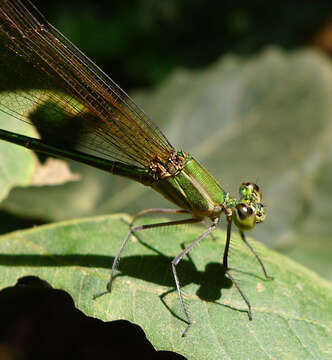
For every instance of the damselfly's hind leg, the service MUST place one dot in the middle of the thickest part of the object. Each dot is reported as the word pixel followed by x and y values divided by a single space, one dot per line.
pixel 159 211
pixel 135 229
pixel 243 237
pixel 175 262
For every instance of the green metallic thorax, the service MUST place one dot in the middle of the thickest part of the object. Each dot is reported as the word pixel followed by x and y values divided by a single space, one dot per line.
pixel 193 189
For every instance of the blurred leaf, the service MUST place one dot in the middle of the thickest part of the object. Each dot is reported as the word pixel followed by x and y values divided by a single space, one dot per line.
pixel 267 120
pixel 53 172
pixel 291 314
pixel 20 167
pixel 17 165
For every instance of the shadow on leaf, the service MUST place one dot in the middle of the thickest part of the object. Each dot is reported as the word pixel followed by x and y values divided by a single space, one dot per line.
pixel 151 268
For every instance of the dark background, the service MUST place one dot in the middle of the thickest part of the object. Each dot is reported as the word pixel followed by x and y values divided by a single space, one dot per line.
pixel 139 42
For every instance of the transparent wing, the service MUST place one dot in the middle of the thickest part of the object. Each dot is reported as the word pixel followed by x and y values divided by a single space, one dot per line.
pixel 54 86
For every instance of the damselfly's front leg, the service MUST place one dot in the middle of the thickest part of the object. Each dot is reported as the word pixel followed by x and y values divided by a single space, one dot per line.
pixel 243 237
pixel 227 270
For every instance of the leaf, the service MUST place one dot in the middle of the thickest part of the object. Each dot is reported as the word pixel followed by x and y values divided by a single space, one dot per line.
pixel 266 119
pixel 53 172
pixel 20 167
pixel 292 315
pixel 16 164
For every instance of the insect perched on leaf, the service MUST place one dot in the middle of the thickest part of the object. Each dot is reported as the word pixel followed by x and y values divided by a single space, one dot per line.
pixel 97 123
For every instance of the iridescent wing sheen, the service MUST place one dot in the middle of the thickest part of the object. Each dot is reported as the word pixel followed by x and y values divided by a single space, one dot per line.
pixel 45 74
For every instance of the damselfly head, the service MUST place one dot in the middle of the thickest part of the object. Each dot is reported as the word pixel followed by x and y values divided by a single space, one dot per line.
pixel 249 210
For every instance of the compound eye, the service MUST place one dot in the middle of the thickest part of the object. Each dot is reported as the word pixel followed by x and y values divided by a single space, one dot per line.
pixel 244 211
pixel 256 187
pixel 244 217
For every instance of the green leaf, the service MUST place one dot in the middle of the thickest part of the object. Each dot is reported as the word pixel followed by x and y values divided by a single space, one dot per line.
pixel 292 314
pixel 266 119
pixel 16 164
